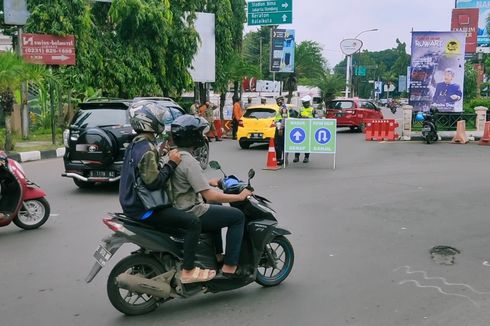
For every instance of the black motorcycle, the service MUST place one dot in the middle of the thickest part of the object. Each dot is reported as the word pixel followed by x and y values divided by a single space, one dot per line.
pixel 150 275
pixel 429 128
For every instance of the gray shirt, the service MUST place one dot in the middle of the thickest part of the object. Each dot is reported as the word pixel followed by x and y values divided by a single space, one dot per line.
pixel 188 181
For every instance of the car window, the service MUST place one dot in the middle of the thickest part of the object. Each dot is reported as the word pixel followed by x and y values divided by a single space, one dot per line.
pixel 341 105
pixel 368 105
pixel 172 113
pixel 260 113
pixel 100 117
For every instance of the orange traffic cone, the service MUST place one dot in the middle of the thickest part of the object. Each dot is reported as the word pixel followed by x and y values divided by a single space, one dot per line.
pixel 460 137
pixel 271 157
pixel 485 140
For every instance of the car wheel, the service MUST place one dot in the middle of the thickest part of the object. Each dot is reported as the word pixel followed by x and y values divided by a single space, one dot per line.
pixel 244 144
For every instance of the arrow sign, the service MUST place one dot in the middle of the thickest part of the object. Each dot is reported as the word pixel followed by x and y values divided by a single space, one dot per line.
pixel 60 57
pixel 297 135
pixel 270 12
pixel 323 136
pixel 285 5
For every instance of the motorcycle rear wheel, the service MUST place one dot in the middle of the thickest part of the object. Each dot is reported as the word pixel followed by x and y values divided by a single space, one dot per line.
pixel 129 303
pixel 276 262
pixel 37 214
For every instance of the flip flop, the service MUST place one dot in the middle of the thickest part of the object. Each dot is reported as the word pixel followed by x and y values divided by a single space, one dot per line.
pixel 196 277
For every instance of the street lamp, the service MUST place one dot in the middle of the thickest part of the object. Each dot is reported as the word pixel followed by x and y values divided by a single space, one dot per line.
pixel 356 47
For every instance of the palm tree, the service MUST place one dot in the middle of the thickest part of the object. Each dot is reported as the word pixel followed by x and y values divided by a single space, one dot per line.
pixel 13 71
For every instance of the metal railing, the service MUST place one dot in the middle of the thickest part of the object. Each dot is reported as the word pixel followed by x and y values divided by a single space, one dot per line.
pixel 448 121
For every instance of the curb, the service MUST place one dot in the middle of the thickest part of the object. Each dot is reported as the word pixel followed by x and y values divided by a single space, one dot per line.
pixel 37 155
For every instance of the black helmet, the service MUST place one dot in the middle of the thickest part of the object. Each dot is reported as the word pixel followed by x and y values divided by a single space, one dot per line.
pixel 188 131
pixel 147 116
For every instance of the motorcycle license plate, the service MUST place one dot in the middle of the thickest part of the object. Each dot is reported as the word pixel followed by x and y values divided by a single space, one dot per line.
pixel 427 128
pixel 102 174
pixel 102 255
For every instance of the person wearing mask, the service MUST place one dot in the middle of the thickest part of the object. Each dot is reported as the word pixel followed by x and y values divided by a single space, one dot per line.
pixel 191 192
pixel 144 160
pixel 306 113
pixel 236 116
pixel 280 120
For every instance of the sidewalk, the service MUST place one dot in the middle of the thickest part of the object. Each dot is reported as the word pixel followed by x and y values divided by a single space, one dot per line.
pixel 23 154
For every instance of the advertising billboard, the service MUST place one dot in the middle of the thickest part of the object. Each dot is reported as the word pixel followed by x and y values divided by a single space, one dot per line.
pixel 204 63
pixel 466 20
pixel 483 7
pixel 282 50
pixel 437 71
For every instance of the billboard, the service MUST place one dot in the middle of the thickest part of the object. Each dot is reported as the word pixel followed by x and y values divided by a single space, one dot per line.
pixel 484 8
pixel 466 20
pixel 437 71
pixel 204 63
pixel 282 50
pixel 15 12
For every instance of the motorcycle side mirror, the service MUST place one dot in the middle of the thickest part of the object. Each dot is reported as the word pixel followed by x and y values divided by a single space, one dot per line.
pixel 215 165
pixel 251 174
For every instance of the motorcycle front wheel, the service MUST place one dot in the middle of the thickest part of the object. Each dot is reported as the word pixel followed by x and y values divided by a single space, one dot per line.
pixel 35 214
pixel 127 302
pixel 276 262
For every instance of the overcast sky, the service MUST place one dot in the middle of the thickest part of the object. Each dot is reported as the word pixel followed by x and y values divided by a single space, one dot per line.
pixel 329 21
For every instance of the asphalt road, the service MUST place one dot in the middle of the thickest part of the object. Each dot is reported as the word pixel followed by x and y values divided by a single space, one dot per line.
pixel 361 233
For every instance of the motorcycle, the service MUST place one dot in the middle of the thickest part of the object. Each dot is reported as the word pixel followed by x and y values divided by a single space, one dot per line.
pixel 429 128
pixel 150 275
pixel 392 105
pixel 21 201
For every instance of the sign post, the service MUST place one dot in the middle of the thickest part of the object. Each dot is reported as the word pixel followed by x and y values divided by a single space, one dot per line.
pixel 271 12
pixel 48 49
pixel 316 136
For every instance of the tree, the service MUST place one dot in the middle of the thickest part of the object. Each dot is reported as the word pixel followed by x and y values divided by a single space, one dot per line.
pixel 13 71
pixel 310 64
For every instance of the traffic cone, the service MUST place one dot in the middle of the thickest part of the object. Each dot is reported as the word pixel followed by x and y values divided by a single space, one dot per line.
pixel 271 157
pixel 485 140
pixel 460 137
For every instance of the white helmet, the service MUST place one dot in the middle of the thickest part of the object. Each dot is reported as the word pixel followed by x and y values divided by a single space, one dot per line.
pixel 306 98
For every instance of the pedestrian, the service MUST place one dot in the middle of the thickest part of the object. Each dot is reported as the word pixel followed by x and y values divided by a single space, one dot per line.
pixel 206 111
pixel 248 104
pixel 194 109
pixel 236 116
pixel 280 120
pixel 144 162
pixel 306 113
pixel 217 124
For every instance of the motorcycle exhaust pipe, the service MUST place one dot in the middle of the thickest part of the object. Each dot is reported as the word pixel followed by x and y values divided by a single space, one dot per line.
pixel 156 287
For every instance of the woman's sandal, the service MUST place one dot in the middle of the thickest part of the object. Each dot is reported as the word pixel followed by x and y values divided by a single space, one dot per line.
pixel 199 275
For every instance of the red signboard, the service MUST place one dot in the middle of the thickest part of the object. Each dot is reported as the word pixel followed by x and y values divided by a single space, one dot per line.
pixel 466 20
pixel 48 49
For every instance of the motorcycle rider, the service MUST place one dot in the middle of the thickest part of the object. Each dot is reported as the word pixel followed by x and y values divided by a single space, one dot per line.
pixel 189 189
pixel 306 113
pixel 146 118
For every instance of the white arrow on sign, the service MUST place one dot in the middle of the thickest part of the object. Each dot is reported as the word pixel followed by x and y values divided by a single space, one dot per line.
pixel 284 18
pixel 60 57
pixel 323 136
pixel 298 135
pixel 285 5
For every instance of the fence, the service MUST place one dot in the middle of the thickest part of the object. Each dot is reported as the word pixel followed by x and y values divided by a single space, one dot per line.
pixel 448 121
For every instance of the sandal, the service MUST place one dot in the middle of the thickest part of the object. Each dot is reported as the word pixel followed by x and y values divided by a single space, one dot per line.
pixel 199 275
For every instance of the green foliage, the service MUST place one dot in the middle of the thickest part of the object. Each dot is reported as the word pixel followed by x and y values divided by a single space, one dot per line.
pixel 470 105
pixel 470 82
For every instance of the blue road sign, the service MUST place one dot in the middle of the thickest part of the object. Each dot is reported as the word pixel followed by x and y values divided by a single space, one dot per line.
pixel 323 136
pixel 297 135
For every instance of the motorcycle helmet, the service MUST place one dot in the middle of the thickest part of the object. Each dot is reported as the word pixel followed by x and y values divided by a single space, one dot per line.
pixel 188 131
pixel 420 116
pixel 147 116
pixel 306 100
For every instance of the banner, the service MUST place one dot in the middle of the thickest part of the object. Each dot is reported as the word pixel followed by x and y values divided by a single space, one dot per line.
pixel 282 50
pixel 437 71
pixel 484 8
pixel 466 20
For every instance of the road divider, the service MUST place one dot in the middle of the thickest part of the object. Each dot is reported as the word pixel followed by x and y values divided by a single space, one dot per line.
pixel 379 130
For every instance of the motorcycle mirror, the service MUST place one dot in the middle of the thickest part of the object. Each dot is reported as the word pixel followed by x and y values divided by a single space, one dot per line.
pixel 251 174
pixel 215 165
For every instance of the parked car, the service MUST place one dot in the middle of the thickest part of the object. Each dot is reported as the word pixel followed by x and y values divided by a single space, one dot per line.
pixel 97 138
pixel 257 125
pixel 351 112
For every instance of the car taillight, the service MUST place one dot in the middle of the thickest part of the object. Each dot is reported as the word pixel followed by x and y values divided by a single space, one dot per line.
pixel 350 112
pixel 240 123
pixel 113 225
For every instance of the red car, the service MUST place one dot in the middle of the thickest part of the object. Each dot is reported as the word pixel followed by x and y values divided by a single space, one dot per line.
pixel 351 112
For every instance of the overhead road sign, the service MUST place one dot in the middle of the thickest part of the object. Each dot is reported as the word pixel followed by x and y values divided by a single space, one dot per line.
pixel 275 12
pixel 48 49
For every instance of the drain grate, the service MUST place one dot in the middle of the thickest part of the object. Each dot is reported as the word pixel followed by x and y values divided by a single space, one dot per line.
pixel 444 255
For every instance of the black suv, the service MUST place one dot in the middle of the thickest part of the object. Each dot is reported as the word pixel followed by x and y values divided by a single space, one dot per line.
pixel 98 136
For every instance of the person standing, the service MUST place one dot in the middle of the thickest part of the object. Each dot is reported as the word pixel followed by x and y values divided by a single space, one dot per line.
pixel 236 116
pixel 206 111
pixel 217 124
pixel 280 120
pixel 306 113
pixel 194 109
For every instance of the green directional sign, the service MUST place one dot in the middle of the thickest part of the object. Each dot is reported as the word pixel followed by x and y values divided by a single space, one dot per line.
pixel 311 136
pixel 275 12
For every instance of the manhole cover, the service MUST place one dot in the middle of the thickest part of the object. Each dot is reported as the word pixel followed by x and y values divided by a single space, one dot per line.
pixel 444 255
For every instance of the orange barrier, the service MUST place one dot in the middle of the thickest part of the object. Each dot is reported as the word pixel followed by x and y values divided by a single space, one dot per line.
pixel 381 130
pixel 271 157
pixel 460 137
pixel 485 140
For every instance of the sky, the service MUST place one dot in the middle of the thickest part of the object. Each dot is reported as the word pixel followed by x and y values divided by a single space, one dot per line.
pixel 328 22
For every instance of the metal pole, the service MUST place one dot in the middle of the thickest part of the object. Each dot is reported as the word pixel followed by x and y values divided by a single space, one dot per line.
pixel 260 57
pixel 348 76
pixel 23 93
pixel 51 100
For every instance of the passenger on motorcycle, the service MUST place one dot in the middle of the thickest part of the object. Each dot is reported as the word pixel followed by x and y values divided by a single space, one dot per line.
pixel 189 187
pixel 143 159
